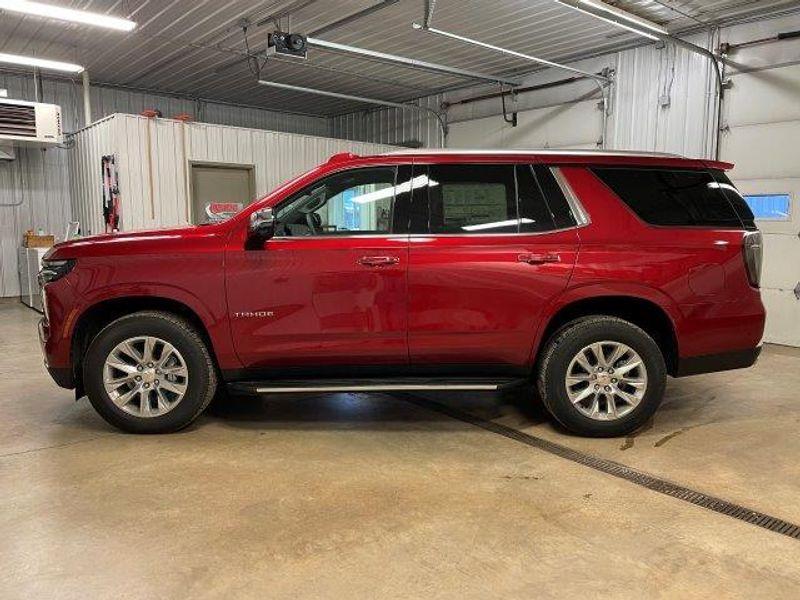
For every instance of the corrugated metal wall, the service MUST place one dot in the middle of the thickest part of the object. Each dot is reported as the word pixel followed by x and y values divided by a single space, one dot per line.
pixel 649 77
pixel 392 125
pixel 153 160
pixel 35 188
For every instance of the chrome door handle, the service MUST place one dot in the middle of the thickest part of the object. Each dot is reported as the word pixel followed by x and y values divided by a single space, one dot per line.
pixel 378 261
pixel 539 259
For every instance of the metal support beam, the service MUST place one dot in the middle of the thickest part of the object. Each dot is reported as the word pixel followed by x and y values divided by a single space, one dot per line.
pixel 306 90
pixel 430 6
pixel 507 52
pixel 37 84
pixel 408 62
pixel 87 100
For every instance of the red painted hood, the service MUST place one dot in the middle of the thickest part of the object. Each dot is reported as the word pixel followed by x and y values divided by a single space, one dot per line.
pixel 154 241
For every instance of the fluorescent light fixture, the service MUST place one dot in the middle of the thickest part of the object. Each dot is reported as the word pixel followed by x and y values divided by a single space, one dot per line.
pixel 50 11
pixel 51 65
pixel 615 16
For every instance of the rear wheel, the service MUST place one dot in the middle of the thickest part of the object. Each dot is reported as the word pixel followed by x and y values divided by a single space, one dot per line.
pixel 602 376
pixel 149 372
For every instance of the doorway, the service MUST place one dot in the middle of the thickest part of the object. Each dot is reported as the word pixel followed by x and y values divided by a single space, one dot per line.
pixel 226 184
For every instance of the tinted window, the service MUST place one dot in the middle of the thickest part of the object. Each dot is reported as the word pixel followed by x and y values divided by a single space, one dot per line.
pixel 472 199
pixel 557 202
pixel 358 202
pixel 534 212
pixel 671 197
pixel 740 205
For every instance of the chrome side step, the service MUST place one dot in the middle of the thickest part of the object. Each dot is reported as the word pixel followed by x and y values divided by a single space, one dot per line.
pixel 372 388
pixel 370 385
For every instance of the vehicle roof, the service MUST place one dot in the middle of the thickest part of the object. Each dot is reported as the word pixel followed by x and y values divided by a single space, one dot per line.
pixel 533 151
pixel 584 157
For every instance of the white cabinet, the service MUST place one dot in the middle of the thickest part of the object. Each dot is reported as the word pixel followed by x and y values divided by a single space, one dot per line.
pixel 30 262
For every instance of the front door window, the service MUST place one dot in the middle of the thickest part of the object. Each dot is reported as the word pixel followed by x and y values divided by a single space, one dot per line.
pixel 358 202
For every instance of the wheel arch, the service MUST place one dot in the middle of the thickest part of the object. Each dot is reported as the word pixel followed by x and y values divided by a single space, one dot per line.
pixel 97 316
pixel 642 312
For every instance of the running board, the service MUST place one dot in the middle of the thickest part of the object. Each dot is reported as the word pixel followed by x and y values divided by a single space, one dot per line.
pixel 275 386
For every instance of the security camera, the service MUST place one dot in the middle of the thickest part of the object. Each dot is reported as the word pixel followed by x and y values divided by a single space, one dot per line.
pixel 287 44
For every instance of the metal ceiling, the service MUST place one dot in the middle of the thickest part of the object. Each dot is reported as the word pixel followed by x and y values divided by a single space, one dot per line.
pixel 194 48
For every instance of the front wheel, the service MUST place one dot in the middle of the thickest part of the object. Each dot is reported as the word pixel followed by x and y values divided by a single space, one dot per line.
pixel 149 372
pixel 602 376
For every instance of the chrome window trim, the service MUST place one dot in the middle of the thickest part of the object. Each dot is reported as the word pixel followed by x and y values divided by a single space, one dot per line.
pixel 385 236
pixel 483 235
pixel 578 211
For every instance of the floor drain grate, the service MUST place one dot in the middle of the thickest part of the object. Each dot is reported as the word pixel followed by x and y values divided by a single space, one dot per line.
pixel 621 471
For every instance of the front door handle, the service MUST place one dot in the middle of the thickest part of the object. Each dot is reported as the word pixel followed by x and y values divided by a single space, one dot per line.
pixel 378 261
pixel 538 259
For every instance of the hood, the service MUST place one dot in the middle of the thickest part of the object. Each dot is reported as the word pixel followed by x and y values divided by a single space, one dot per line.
pixel 153 241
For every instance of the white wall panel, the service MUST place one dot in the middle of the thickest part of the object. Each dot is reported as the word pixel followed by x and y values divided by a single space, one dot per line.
pixel 761 115
pixel 765 151
pixel 155 154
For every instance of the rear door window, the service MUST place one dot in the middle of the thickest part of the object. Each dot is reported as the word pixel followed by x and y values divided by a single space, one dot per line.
pixel 487 199
pixel 476 199
pixel 672 197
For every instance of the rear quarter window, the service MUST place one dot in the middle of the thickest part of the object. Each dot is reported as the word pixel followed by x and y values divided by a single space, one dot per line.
pixel 672 197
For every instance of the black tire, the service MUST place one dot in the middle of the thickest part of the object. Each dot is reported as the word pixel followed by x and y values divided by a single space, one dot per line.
pixel 563 347
pixel 201 384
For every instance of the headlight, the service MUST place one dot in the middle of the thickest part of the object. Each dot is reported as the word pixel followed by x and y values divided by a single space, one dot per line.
pixel 53 270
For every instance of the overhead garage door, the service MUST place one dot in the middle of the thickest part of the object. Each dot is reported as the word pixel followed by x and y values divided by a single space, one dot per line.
pixel 763 115
pixel 577 125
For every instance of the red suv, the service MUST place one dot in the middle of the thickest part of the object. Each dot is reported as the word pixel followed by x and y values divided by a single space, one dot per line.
pixel 594 275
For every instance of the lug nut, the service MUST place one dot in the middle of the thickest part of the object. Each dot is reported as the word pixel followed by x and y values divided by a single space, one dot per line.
pixel 597 387
pixel 613 381
pixel 607 388
pixel 149 365
pixel 139 368
pixel 611 370
pixel 156 382
pixel 146 385
pixel 137 378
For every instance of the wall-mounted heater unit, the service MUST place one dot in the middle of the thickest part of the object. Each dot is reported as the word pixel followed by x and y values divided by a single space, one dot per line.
pixel 24 123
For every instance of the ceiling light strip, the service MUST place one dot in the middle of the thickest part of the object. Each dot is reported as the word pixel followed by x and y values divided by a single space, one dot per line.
pixel 615 18
pixel 29 61
pixel 50 11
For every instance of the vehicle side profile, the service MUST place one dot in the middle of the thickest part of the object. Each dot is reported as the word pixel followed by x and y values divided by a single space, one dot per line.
pixel 592 275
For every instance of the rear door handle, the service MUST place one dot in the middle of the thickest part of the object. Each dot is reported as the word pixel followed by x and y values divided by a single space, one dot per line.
pixel 538 259
pixel 378 261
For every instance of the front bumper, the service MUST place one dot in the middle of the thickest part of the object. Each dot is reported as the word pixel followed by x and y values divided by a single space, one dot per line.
pixel 63 376
pixel 711 363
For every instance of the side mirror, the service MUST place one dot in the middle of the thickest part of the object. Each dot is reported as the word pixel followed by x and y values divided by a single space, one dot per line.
pixel 262 228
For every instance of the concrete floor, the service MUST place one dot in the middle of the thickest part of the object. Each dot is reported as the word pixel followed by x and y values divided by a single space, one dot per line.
pixel 358 496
